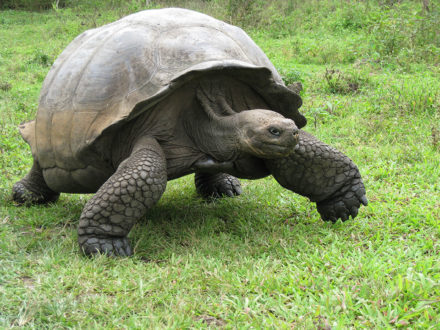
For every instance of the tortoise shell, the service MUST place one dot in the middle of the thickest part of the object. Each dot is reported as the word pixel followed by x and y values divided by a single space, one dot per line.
pixel 113 73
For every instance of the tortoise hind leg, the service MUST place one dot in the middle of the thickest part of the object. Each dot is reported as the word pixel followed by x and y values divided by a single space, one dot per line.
pixel 217 185
pixel 32 189
pixel 109 215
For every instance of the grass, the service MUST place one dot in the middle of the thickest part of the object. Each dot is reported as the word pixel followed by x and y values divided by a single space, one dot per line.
pixel 264 259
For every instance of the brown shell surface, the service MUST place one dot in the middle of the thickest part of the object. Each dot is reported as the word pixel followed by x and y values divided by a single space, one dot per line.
pixel 113 73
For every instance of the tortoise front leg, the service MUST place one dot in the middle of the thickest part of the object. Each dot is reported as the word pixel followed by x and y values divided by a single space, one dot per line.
pixel 323 174
pixel 109 215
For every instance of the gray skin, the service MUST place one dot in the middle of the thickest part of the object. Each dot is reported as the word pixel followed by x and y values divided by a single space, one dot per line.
pixel 206 137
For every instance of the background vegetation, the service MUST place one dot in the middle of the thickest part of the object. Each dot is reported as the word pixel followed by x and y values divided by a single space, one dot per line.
pixel 370 71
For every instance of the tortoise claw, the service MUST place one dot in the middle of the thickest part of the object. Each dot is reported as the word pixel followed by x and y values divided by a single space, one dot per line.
pixel 343 205
pixel 364 200
pixel 109 246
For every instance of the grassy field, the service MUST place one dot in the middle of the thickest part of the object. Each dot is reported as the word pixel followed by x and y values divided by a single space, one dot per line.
pixel 371 76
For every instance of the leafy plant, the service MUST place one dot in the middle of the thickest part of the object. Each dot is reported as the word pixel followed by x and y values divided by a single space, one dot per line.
pixel 322 113
pixel 5 86
pixel 337 82
pixel 291 75
pixel 41 58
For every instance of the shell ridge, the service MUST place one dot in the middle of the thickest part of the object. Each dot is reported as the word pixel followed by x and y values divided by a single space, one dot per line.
pixel 153 74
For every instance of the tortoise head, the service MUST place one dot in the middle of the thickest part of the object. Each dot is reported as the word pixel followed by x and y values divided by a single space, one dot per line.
pixel 266 134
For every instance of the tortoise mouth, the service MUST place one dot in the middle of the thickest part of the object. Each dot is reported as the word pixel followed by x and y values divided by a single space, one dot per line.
pixel 278 150
pixel 270 150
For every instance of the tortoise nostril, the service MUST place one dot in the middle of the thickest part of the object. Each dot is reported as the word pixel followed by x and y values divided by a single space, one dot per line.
pixel 296 135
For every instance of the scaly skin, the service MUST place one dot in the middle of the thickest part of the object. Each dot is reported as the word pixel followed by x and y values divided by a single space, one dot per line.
pixel 217 185
pixel 323 174
pixel 32 189
pixel 110 214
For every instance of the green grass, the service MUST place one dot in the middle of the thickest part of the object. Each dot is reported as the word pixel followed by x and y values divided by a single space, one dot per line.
pixel 264 259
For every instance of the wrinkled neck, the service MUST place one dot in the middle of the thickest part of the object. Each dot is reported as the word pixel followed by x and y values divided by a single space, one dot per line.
pixel 214 136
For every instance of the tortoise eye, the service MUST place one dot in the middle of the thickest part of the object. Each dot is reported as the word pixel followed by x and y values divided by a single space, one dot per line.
pixel 275 131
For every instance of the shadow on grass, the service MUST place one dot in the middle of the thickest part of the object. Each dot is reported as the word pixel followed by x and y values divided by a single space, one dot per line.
pixel 256 223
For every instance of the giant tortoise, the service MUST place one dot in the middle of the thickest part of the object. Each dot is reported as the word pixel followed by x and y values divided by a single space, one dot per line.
pixel 161 94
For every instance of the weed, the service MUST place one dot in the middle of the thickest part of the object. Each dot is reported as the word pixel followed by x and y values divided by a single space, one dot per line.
pixel 408 98
pixel 435 134
pixel 291 75
pixel 322 113
pixel 337 82
pixel 406 36
pixel 5 86
pixel 28 4
pixel 41 58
